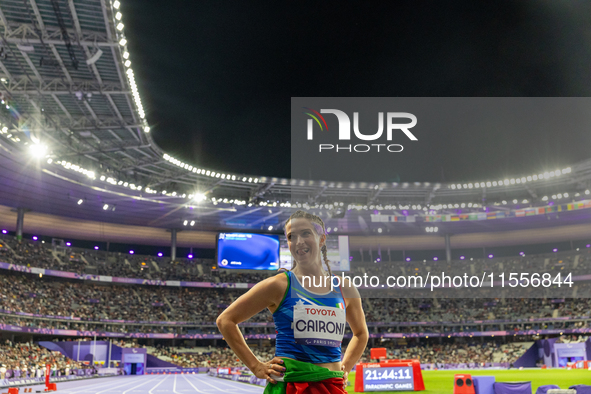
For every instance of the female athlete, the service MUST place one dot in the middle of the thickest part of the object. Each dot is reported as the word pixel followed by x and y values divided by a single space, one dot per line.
pixel 309 318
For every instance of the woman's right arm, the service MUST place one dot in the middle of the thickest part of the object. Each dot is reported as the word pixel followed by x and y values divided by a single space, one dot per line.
pixel 266 294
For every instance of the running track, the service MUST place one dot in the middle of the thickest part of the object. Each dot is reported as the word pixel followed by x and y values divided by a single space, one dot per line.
pixel 154 384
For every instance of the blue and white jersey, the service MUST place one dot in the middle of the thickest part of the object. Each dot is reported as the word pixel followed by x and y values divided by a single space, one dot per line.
pixel 310 326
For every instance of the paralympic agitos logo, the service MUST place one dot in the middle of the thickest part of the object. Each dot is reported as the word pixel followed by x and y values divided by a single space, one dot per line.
pixel 344 134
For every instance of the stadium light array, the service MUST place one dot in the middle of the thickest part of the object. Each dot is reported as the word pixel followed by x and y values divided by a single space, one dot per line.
pixel 431 229
pixel 512 181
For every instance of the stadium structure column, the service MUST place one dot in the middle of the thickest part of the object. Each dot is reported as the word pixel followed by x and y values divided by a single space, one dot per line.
pixel 20 219
pixel 447 248
pixel 173 233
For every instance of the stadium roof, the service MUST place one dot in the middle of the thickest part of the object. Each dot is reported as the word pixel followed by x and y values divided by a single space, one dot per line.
pixel 67 82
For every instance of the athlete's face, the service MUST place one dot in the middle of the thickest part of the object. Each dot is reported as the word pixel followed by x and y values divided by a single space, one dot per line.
pixel 303 240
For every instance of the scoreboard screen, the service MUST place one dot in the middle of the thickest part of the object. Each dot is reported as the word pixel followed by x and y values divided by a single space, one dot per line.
pixel 388 379
pixel 248 251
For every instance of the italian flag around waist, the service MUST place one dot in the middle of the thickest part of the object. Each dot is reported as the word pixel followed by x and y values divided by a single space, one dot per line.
pixel 305 378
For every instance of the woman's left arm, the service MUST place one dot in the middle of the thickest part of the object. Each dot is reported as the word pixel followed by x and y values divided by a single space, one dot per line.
pixel 356 320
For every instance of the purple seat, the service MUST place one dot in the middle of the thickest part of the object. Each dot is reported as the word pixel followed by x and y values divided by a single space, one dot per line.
pixel 581 388
pixel 484 384
pixel 512 388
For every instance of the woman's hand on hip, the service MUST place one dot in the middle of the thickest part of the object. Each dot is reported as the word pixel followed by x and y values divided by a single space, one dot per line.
pixel 265 370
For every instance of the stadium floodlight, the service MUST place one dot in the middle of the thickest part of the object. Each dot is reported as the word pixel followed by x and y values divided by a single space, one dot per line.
pixel 462 257
pixel 80 201
pixel 118 16
pixel 408 259
pixel 192 223
pixel 199 197
pixel 380 230
pixel 122 42
pixel 96 248
pixel 105 207
pixel 190 256
pixel 555 250
pixel 38 150
pixel 4 231
pixel 588 246
pixel 131 252
pixel 490 256
pixel 185 222
pixel 435 258
pixel 120 26
pixel 116 4
pixel 68 244
pixel 270 228
pixel 35 238
pixel 159 254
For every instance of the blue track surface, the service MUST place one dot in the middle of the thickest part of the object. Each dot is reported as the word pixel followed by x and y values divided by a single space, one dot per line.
pixel 154 384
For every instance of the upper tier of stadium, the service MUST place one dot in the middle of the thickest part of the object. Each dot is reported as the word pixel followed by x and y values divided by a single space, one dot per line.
pixel 69 95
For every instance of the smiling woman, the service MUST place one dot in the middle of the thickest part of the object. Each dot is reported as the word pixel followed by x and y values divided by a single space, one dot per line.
pixel 309 320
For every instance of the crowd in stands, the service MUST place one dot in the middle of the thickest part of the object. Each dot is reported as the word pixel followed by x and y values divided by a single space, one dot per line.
pixel 29 360
pixel 99 262
pixel 459 352
pixel 88 301
pixel 91 302
pixel 475 352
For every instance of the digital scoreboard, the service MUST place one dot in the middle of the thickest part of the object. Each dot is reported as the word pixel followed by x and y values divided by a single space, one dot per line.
pixel 388 379
pixel 248 251
pixel 389 375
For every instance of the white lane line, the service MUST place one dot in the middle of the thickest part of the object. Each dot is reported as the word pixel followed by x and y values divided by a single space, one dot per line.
pixel 174 385
pixel 162 381
pixel 234 385
pixel 133 388
pixel 93 386
pixel 185 377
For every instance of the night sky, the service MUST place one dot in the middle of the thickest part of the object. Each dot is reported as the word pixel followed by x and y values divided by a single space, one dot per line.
pixel 216 78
